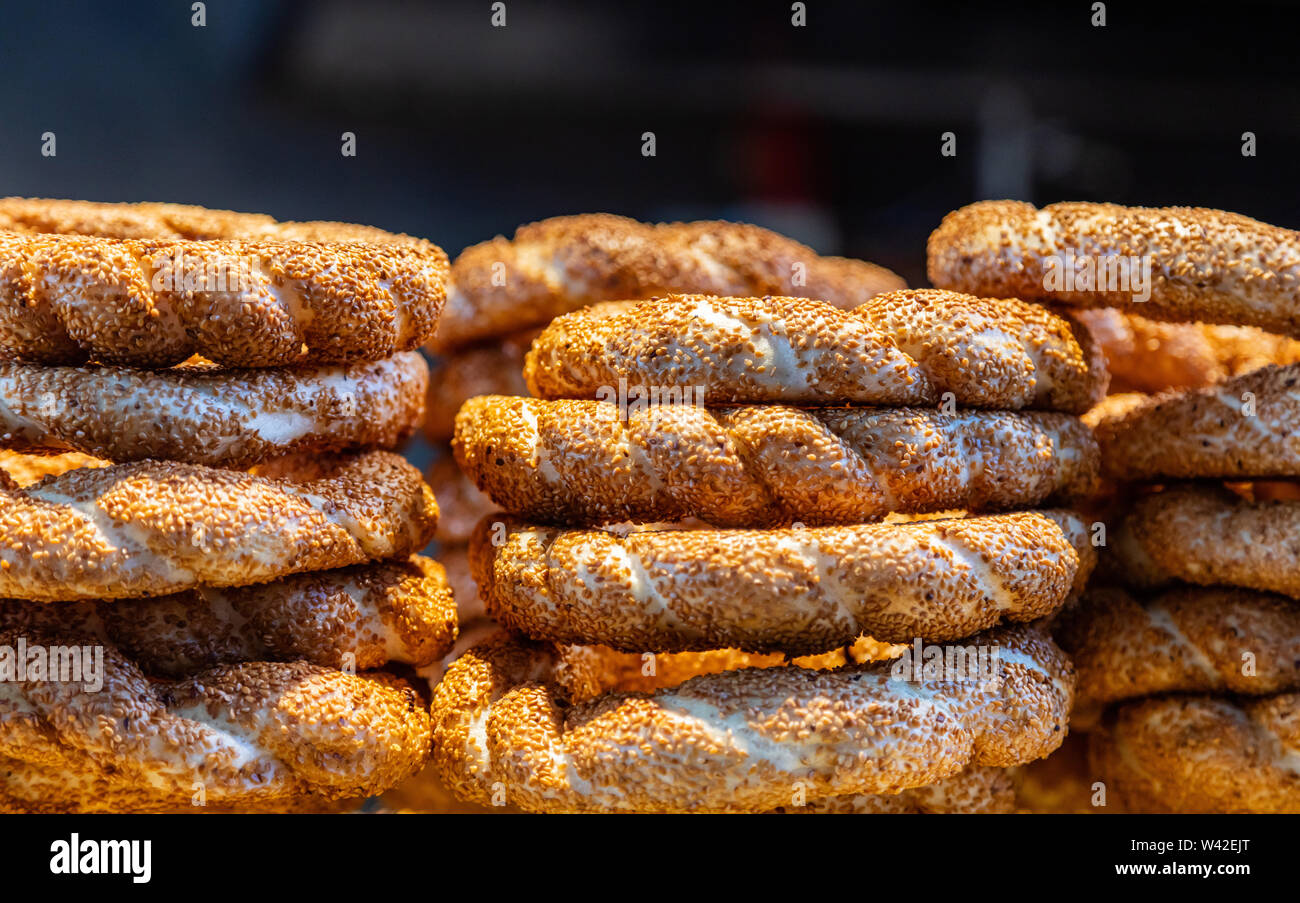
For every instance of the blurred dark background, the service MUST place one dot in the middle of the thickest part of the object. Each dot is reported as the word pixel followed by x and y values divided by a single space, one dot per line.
pixel 830 132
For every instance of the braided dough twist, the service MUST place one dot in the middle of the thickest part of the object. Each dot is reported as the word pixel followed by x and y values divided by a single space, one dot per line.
pixel 799 591
pixel 567 262
pixel 1208 536
pixel 907 347
pixel 281 293
pixel 252 733
pixel 357 618
pixel 1187 640
pixel 1202 754
pixel 587 672
pixel 204 415
pixel 157 527
pixel 1206 266
pixel 1239 429
pixel 741 740
pixel 580 462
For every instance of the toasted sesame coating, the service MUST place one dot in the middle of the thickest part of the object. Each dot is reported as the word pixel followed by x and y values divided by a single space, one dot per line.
pixel 975 791
pixel 1185 640
pixel 906 347
pixel 586 672
pixel 157 527
pixel 1207 266
pixel 174 221
pixel 1239 429
pixel 1150 356
pixel 279 293
pixel 738 741
pixel 590 462
pixel 1201 754
pixel 359 617
pixel 798 591
pixel 492 368
pixel 1209 536
pixel 461 505
pixel 201 414
pixel 255 733
pixel 564 263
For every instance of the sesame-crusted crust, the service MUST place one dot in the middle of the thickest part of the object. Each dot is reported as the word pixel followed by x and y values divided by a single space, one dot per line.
pixel 797 591
pixel 493 368
pixel 586 672
pixel 157 527
pixel 907 347
pixel 1150 356
pixel 564 263
pixel 740 740
pixel 591 462
pixel 1201 754
pixel 1207 266
pixel 1186 640
pixel 1209 536
pixel 270 293
pixel 206 415
pixel 359 617
pixel 255 733
pixel 1239 429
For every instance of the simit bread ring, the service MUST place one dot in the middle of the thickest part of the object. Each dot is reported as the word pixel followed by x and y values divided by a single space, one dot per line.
pixel 800 591
pixel 1150 356
pixel 1187 640
pixel 580 462
pixel 586 672
pixel 902 348
pixel 204 415
pixel 356 618
pixel 1242 428
pixel 564 263
pixel 1205 266
pixel 286 293
pixel 1208 535
pixel 490 369
pixel 1202 754
pixel 157 527
pixel 740 740
pixel 24 469
pixel 252 733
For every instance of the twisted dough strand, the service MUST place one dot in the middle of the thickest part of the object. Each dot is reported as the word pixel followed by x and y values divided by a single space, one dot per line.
pixel 737 741
pixel 1202 754
pixel 799 591
pixel 1207 266
pixel 203 415
pixel 1208 536
pixel 358 618
pixel 567 262
pixel 579 462
pixel 157 527
pixel 281 294
pixel 1210 432
pixel 250 733
pixel 901 348
pixel 1187 640
pixel 494 368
